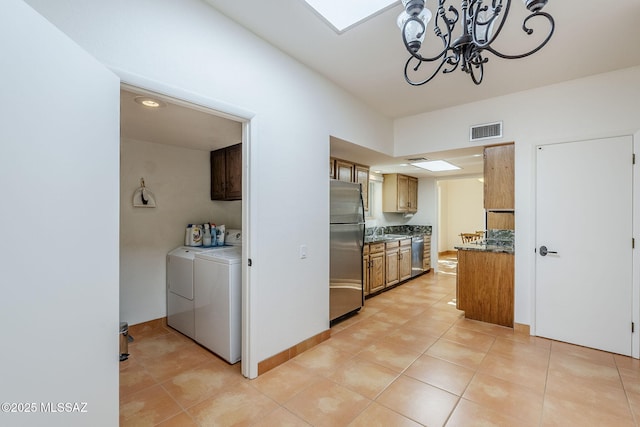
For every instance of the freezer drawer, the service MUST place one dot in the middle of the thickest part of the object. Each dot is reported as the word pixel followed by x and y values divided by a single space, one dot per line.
pixel 345 271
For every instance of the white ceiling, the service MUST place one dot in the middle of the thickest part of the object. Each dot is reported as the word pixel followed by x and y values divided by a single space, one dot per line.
pixel 591 37
pixel 177 123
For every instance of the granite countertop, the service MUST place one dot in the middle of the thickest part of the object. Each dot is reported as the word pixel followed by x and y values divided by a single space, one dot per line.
pixel 395 232
pixel 388 238
pixel 483 247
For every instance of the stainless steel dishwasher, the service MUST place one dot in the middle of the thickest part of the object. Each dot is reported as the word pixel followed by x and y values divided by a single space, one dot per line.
pixel 417 249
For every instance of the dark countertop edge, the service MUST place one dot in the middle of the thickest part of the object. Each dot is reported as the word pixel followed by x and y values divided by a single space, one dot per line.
pixel 395 239
pixel 486 248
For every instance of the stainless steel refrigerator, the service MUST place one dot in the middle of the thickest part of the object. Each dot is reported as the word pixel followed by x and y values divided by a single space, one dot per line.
pixel 346 226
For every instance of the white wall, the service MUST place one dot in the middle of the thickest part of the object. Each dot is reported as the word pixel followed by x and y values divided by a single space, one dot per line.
pixel 179 178
pixel 59 124
pixel 187 46
pixel 462 209
pixel 597 106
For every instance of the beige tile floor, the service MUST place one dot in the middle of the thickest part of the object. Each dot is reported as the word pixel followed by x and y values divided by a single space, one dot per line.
pixel 409 358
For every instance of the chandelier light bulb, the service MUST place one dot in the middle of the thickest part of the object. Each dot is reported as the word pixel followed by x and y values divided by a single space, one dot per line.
pixel 414 28
pixel 535 5
pixel 413 7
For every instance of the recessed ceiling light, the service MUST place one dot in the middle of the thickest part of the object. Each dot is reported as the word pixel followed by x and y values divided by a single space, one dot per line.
pixel 342 15
pixel 149 102
pixel 436 166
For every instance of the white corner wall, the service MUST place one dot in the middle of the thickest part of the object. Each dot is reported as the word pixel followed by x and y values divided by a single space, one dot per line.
pixel 59 126
pixel 179 178
pixel 598 106
pixel 199 51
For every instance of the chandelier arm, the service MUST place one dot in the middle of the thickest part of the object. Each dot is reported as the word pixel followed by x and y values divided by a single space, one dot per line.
pixel 528 31
pixel 477 81
pixel 428 79
pixel 454 61
pixel 476 61
pixel 445 38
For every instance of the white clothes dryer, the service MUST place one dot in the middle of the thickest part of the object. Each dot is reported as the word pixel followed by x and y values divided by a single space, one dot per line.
pixel 218 301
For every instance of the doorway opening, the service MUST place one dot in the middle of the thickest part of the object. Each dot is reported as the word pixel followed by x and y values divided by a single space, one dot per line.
pixel 169 148
pixel 460 211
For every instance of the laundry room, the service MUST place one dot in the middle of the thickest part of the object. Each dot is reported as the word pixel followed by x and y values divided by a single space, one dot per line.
pixel 165 158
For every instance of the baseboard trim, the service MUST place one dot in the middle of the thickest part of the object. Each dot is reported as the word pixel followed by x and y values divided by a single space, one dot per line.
pixel 278 359
pixel 522 329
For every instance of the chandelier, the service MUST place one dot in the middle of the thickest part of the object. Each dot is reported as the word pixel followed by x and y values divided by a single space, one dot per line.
pixel 481 25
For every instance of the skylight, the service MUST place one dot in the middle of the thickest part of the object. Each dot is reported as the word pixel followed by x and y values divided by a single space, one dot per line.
pixel 436 166
pixel 343 14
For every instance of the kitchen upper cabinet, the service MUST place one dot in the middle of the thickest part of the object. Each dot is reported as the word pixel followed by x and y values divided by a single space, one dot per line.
pixel 399 193
pixel 485 289
pixel 362 177
pixel 501 221
pixel 226 173
pixel 404 259
pixel 343 170
pixel 412 190
pixel 499 177
pixel 373 266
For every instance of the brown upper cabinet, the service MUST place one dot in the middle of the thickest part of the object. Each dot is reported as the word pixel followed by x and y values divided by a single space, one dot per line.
pixel 499 177
pixel 351 172
pixel 226 173
pixel 399 193
pixel 362 177
pixel 345 171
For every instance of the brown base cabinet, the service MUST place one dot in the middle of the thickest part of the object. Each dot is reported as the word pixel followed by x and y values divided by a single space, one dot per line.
pixel 387 264
pixel 392 263
pixel 426 254
pixel 373 267
pixel 404 259
pixel 485 286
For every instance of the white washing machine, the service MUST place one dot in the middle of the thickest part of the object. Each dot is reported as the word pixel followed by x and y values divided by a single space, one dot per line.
pixel 218 301
pixel 180 304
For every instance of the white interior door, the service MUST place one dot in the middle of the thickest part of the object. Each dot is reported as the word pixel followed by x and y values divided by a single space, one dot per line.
pixel 59 214
pixel 584 201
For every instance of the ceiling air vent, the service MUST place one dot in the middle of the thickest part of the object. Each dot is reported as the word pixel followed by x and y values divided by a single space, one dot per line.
pixel 486 131
pixel 417 159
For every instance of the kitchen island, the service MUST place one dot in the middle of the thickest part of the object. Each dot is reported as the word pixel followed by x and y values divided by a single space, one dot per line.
pixel 485 284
